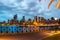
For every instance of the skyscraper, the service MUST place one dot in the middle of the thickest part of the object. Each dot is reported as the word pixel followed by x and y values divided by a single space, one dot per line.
pixel 22 22
pixel 23 19
pixel 35 18
pixel 38 19
pixel 15 17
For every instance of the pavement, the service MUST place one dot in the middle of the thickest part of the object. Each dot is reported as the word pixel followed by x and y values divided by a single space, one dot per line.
pixel 25 36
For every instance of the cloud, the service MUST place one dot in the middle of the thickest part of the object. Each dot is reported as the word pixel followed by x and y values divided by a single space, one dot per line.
pixel 28 8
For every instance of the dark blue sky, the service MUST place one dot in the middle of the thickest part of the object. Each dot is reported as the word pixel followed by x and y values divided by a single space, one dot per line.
pixel 28 8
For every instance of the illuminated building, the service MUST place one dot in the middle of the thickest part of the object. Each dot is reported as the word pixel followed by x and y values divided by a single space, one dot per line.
pixel 29 22
pixel 22 22
pixel 15 17
pixel 13 21
pixel 3 23
pixel 38 19
pixel 35 21
pixel 35 18
pixel 42 20
pixel 59 21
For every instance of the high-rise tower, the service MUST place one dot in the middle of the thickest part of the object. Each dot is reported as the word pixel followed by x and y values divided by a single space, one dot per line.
pixel 15 17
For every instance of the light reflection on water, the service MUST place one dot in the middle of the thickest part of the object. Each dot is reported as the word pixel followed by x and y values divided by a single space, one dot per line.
pixel 12 29
pixel 15 29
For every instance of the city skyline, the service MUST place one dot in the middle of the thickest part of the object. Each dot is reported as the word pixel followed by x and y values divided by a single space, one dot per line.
pixel 36 21
pixel 29 19
pixel 29 9
pixel 15 17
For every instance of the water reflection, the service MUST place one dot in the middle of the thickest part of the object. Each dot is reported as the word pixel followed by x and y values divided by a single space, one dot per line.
pixel 16 29
pixel 10 29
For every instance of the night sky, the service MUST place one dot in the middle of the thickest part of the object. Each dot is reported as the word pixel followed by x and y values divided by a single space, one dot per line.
pixel 27 8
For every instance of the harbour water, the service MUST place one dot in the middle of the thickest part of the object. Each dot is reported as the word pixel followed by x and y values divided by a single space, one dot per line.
pixel 20 29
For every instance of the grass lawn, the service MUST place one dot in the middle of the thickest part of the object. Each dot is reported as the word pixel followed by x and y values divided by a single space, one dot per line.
pixel 54 37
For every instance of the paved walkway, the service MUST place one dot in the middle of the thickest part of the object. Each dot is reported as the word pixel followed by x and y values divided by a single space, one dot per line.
pixel 27 36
